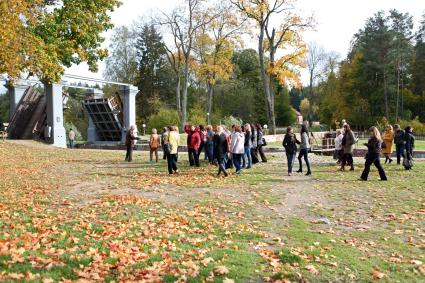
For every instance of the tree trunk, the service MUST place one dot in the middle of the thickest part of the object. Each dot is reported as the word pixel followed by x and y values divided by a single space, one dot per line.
pixel 310 98
pixel 184 95
pixel 178 97
pixel 387 112
pixel 398 93
pixel 210 102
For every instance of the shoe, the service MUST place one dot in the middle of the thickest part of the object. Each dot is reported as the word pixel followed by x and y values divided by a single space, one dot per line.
pixel 308 173
pixel 341 169
pixel 383 179
pixel 363 180
pixel 238 172
pixel 249 167
pixel 352 169
pixel 289 174
pixel 390 160
pixel 299 171
pixel 176 172
pixel 225 174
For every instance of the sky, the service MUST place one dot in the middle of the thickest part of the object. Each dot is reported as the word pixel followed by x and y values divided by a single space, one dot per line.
pixel 337 21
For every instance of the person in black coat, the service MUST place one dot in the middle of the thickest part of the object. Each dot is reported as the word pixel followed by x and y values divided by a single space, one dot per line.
pixel 260 143
pixel 374 146
pixel 222 149
pixel 129 143
pixel 400 142
pixel 410 146
pixel 290 144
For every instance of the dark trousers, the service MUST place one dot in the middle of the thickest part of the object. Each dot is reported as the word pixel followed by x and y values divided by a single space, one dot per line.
pixel 202 147
pixel 129 155
pixel 261 152
pixel 304 153
pixel 222 166
pixel 164 155
pixel 71 143
pixel 254 155
pixel 209 150
pixel 193 157
pixel 172 163
pixel 237 161
pixel 400 152
pixel 347 159
pixel 290 156
pixel 373 159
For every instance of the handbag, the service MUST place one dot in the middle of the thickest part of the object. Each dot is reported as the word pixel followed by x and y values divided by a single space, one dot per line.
pixel 168 148
pixel 264 142
pixel 407 163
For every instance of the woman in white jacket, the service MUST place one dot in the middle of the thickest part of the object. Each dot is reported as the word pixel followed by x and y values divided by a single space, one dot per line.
pixel 237 148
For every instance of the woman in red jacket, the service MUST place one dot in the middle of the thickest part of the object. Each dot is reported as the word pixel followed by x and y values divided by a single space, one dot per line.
pixel 193 144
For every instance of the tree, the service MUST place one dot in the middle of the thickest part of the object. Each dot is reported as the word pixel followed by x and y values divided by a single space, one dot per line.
pixel 121 64
pixel 418 73
pixel 42 37
pixel 315 58
pixel 286 38
pixel 183 23
pixel 155 77
pixel 215 44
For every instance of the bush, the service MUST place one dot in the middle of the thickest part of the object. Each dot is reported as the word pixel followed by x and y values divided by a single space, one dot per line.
pixel 418 127
pixel 230 120
pixel 164 117
pixel 197 116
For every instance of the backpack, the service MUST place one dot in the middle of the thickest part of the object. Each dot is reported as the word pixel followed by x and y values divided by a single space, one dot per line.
pixel 154 142
pixel 407 163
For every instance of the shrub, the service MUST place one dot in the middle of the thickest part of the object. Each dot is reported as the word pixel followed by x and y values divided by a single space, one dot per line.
pixel 164 117
pixel 418 127
pixel 230 120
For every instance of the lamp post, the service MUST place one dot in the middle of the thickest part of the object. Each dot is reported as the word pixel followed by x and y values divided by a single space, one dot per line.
pixel 208 118
pixel 144 129
pixel 265 128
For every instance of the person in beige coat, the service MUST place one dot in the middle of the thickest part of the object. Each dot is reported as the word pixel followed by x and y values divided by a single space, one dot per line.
pixel 388 139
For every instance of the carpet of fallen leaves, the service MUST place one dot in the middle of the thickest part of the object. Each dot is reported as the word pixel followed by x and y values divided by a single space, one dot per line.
pixel 260 226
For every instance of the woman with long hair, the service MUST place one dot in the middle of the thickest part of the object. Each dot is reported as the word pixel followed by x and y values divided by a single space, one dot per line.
pixel 304 149
pixel 172 143
pixel 290 145
pixel 237 148
pixel 374 146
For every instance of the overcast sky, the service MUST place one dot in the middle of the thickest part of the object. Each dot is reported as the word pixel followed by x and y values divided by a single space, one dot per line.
pixel 337 20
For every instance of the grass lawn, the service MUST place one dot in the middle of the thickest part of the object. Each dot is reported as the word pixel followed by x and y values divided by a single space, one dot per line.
pixel 69 215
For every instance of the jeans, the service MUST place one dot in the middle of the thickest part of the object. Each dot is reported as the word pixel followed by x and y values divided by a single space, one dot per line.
pixel 400 152
pixel 209 150
pixel 290 156
pixel 193 157
pixel 347 159
pixel 172 163
pixel 237 161
pixel 71 143
pixel 373 158
pixel 304 153
pixel 247 159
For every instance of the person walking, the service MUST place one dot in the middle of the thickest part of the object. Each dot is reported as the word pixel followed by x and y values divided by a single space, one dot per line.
pixel 193 142
pixel 129 143
pixel 304 150
pixel 410 146
pixel 399 141
pixel 171 147
pixel 222 150
pixel 348 142
pixel 164 133
pixel 71 136
pixel 387 146
pixel 254 149
pixel 209 144
pixel 374 146
pixel 154 143
pixel 338 152
pixel 247 159
pixel 261 143
pixel 237 148
pixel 290 144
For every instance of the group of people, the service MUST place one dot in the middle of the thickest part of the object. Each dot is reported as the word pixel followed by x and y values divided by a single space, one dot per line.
pixel 240 147
pixel 403 139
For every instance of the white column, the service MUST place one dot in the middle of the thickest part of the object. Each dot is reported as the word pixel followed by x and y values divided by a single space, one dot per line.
pixel 129 111
pixel 92 135
pixel 16 92
pixel 55 114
